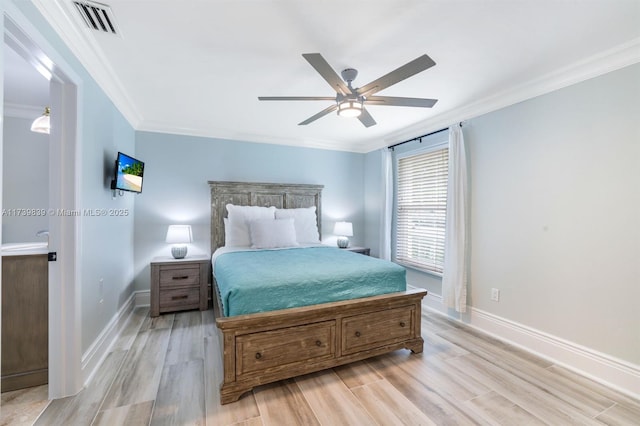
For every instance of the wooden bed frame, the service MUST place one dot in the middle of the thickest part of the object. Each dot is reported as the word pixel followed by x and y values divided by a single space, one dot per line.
pixel 270 346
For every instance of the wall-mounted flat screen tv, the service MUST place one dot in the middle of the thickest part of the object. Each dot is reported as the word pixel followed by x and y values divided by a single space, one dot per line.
pixel 129 174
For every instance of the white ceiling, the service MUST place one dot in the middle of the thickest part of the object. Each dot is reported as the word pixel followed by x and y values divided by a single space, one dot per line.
pixel 197 67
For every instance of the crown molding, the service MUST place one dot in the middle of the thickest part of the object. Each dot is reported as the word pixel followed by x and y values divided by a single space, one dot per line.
pixel 29 112
pixel 602 63
pixel 61 17
pixel 226 134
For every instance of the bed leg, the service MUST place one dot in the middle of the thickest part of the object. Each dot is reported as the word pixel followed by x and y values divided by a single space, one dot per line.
pixel 228 396
pixel 415 345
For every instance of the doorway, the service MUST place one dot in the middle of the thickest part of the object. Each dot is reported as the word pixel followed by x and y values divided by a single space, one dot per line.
pixel 25 200
pixel 64 351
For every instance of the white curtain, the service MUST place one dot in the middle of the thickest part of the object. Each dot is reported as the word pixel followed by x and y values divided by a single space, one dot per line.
pixel 454 279
pixel 387 208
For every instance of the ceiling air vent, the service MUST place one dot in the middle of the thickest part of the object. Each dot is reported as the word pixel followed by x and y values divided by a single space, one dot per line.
pixel 97 16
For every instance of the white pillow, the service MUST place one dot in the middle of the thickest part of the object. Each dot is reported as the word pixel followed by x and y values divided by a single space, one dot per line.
pixel 237 231
pixel 272 233
pixel 304 221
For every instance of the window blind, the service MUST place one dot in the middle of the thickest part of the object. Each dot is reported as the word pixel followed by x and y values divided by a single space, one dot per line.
pixel 421 210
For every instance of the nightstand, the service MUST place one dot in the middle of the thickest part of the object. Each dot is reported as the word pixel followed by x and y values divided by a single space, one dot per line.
pixel 361 250
pixel 179 284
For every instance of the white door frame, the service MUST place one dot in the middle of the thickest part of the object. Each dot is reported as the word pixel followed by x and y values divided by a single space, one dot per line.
pixel 65 369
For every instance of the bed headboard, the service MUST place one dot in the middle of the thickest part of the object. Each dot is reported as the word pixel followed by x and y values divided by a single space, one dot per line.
pixel 282 196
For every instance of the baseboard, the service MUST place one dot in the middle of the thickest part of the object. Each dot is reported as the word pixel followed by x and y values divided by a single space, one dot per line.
pixel 143 298
pixel 99 349
pixel 433 302
pixel 606 369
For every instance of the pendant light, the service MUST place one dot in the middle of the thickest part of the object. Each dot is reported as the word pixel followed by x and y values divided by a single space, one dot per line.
pixel 42 124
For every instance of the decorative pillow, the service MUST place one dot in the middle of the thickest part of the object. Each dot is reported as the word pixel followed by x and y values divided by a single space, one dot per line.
pixel 237 231
pixel 272 233
pixel 304 221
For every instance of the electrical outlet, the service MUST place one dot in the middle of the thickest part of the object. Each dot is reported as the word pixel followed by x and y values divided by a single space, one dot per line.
pixel 495 294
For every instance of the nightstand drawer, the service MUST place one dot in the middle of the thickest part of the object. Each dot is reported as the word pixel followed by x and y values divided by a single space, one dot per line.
pixel 179 276
pixel 180 298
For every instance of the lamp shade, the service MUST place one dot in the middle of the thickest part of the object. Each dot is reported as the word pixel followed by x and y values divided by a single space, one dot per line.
pixel 179 234
pixel 42 124
pixel 344 229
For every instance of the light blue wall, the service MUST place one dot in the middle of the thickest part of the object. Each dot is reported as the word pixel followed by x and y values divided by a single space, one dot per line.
pixel 25 166
pixel 555 202
pixel 107 242
pixel 177 169
pixel 106 247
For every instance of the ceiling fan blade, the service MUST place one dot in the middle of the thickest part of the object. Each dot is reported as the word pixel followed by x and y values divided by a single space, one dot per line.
pixel 366 118
pixel 397 101
pixel 319 115
pixel 407 70
pixel 296 98
pixel 324 69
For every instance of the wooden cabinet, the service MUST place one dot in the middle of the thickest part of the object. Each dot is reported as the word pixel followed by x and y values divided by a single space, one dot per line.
pixel 25 321
pixel 179 284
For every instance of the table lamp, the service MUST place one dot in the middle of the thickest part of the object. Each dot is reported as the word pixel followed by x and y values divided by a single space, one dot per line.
pixel 343 230
pixel 179 236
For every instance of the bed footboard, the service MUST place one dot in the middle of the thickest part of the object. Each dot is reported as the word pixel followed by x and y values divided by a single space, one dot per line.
pixel 267 347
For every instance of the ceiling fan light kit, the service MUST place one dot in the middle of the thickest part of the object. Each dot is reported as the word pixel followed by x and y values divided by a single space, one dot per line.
pixel 350 108
pixel 351 102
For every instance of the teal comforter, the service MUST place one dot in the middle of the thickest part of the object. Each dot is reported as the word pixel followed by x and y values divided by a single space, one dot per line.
pixel 267 280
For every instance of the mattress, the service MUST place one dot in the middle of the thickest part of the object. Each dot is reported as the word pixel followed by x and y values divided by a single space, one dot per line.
pixel 251 281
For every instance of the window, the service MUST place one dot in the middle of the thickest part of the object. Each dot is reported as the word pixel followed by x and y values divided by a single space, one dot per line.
pixel 421 209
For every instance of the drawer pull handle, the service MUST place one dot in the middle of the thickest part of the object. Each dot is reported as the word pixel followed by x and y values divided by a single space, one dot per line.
pixel 402 324
pixel 258 355
pixel 357 334
pixel 318 343
pixel 179 297
pixel 181 277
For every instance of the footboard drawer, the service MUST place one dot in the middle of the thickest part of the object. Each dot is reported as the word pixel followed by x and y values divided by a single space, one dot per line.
pixel 258 352
pixel 375 329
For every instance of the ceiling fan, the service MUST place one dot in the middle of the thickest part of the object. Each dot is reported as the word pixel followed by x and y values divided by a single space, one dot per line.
pixel 349 101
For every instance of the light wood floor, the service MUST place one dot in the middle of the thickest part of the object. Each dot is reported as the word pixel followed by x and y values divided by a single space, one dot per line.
pixel 167 371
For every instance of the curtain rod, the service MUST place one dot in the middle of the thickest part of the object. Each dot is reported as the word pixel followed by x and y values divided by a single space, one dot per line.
pixel 420 137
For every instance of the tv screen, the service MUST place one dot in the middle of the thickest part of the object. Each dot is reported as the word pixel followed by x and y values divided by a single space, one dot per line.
pixel 129 173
